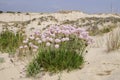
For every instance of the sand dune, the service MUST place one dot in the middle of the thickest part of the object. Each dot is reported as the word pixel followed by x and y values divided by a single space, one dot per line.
pixel 99 65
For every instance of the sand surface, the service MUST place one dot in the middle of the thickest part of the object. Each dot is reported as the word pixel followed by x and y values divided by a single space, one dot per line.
pixel 99 65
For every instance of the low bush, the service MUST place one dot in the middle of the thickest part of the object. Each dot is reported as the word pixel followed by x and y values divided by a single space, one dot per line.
pixel 58 48
pixel 10 12
pixel 1 11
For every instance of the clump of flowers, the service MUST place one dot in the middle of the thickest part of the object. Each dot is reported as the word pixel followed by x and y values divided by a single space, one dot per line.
pixel 58 48
pixel 54 36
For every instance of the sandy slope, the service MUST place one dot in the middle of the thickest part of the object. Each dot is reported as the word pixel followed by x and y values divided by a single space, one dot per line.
pixel 99 66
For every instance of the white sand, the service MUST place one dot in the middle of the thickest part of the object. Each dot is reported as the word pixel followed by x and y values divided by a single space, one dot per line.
pixel 99 65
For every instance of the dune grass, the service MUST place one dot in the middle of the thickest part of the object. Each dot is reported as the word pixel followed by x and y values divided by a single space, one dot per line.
pixel 10 41
pixel 113 40
pixel 106 29
pixel 55 60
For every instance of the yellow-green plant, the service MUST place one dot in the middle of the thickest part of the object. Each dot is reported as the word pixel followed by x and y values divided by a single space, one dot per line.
pixel 10 41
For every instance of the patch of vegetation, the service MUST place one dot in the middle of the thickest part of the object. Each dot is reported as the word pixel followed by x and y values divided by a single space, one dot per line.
pixel 106 29
pixel 55 53
pixel 113 40
pixel 64 12
pixel 1 60
pixel 1 12
pixel 52 18
pixel 33 19
pixel 68 22
pixel 53 61
pixel 10 41
pixel 10 12
pixel 27 13
pixel 39 23
pixel 18 12
pixel 24 23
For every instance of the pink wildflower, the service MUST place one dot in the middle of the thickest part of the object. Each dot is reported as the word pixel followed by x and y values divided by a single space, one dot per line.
pixel 56 46
pixel 50 39
pixel 39 41
pixel 44 39
pixel 47 44
pixel 67 39
pixel 25 46
pixel 57 40
pixel 32 37
pixel 21 47
pixel 63 39
pixel 25 41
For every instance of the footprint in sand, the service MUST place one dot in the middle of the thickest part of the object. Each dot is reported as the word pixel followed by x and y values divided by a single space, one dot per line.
pixel 105 73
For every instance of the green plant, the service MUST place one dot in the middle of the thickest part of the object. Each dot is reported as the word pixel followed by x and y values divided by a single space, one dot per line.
pixel 57 60
pixel 62 50
pixel 9 41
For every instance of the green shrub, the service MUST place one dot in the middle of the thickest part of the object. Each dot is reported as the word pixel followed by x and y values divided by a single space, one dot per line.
pixel 9 41
pixel 64 58
pixel 64 51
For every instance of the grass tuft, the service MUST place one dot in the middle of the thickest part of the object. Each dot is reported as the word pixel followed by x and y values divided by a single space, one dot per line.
pixel 10 41
pixel 57 60
pixel 113 40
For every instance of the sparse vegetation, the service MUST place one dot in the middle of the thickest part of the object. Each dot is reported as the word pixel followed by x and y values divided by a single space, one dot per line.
pixel 18 12
pixel 10 12
pixel 33 19
pixel 95 31
pixel 1 12
pixel 113 40
pixel 27 13
pixel 64 12
pixel 39 23
pixel 1 60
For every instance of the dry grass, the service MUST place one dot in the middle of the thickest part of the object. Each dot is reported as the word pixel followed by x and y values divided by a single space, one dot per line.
pixel 113 40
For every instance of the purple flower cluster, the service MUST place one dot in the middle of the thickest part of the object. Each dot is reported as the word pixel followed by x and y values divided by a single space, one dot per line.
pixel 54 35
